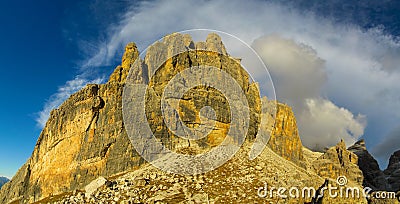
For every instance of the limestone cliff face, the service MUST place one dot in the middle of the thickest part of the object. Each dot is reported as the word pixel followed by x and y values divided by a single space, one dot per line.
pixel 175 54
pixel 338 161
pixel 83 139
pixel 285 139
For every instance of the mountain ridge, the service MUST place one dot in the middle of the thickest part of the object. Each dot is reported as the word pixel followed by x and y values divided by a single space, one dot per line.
pixel 3 180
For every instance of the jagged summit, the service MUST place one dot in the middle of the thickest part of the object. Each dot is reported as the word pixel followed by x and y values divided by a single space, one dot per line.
pixel 358 146
pixel 394 158
pixel 373 176
pixel 285 132
pixel 159 52
pixel 344 163
pixel 121 72
pixel 393 171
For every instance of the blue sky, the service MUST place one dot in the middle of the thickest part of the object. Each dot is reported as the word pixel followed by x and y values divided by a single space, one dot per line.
pixel 50 49
pixel 34 58
pixel 39 52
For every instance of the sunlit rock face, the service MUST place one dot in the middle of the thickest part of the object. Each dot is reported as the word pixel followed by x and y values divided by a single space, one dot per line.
pixel 285 139
pixel 338 161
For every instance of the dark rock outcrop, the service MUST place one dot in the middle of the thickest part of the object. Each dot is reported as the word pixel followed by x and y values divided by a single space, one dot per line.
pixel 393 172
pixel 373 176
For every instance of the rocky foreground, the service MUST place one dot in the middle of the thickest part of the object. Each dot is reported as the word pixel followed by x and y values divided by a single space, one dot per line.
pixel 237 181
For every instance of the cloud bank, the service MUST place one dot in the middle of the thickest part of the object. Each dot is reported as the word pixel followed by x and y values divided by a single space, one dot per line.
pixel 299 75
pixel 349 74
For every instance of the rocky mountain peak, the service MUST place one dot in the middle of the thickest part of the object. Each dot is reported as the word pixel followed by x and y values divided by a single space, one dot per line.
pixel 373 176
pixel 285 139
pixel 394 158
pixel 341 145
pixel 344 164
pixel 358 146
pixel 128 58
pixel 131 53
pixel 393 172
pixel 214 43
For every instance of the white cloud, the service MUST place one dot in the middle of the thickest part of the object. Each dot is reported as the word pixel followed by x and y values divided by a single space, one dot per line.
pixel 324 124
pixel 299 75
pixel 360 66
pixel 296 70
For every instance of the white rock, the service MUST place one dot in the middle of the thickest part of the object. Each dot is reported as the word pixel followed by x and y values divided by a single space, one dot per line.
pixel 94 185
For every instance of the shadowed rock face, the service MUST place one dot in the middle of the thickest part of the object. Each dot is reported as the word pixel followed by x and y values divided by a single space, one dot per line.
pixel 394 160
pixel 393 172
pixel 373 176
